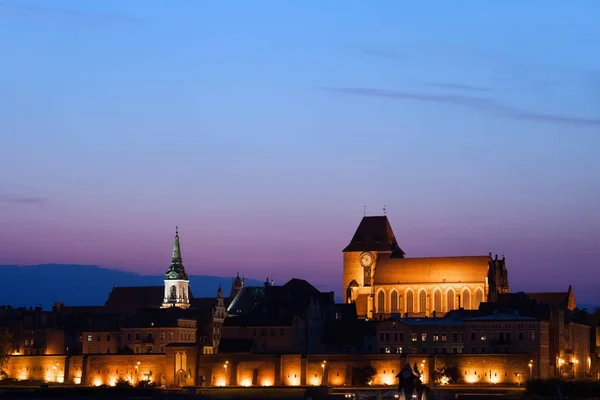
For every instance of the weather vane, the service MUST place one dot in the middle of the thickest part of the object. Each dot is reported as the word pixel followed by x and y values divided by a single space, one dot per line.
pixel 384 210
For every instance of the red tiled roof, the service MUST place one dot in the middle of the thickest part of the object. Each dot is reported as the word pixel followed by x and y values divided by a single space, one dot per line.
pixel 431 269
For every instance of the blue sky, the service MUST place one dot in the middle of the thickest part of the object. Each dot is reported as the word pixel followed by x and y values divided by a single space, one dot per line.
pixel 263 127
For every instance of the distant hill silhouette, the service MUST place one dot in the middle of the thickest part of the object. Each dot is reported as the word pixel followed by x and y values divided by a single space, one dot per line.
pixel 45 284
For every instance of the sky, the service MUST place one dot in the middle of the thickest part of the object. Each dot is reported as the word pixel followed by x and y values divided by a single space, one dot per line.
pixel 262 129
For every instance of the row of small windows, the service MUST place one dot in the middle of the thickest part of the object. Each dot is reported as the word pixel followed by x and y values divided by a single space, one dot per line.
pixel 422 303
pixel 183 336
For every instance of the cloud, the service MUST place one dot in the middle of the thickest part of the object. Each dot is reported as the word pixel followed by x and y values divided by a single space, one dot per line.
pixel 481 104
pixel 36 13
pixel 457 86
pixel 19 194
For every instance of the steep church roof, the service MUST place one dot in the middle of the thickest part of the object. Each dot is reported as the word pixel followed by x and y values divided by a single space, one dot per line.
pixel 431 269
pixel 375 233
pixel 132 298
pixel 176 271
pixel 556 299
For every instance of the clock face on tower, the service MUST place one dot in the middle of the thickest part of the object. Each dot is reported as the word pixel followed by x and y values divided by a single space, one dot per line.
pixel 366 259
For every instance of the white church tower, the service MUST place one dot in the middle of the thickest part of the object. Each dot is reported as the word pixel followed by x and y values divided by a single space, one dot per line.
pixel 177 293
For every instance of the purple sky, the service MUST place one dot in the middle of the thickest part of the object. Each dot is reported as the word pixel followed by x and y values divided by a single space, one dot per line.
pixel 262 130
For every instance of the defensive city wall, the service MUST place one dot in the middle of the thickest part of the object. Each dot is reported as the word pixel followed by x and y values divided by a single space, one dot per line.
pixel 184 367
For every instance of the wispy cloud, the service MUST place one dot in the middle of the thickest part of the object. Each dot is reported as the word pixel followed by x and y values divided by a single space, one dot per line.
pixel 457 86
pixel 36 13
pixel 19 194
pixel 481 104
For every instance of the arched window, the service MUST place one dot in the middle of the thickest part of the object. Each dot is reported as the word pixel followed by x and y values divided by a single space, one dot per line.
pixel 394 301
pixel 450 300
pixel 437 300
pixel 173 292
pixel 422 301
pixel 381 302
pixel 409 302
pixel 466 299
pixel 478 298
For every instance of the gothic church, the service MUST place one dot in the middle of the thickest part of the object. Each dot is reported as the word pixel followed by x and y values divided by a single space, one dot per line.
pixel 381 280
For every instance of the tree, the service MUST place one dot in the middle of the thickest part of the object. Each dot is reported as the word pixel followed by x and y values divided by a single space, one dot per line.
pixel 363 375
pixel 446 375
pixel 5 346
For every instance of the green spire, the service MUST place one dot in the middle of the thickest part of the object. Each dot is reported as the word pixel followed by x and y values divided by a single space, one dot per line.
pixel 176 259
pixel 176 270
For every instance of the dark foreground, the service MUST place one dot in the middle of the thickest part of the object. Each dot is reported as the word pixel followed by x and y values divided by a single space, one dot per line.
pixel 258 393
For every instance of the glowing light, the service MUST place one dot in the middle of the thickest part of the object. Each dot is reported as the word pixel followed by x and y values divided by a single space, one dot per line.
pixel 494 379
pixel 444 380
pixel 388 380
pixel 293 381
pixel 112 381
pixel 97 381
pixel 471 378
pixel 246 382
pixel 267 382
pixel 77 380
pixel 315 381
pixel 221 382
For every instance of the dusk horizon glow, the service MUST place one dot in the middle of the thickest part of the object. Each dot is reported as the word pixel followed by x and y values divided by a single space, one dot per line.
pixel 262 130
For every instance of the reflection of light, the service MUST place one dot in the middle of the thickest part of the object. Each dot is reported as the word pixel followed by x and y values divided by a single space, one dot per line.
pixel 112 381
pixel 388 379
pixel 23 376
pixel 267 382
pixel 221 382
pixel 77 380
pixel 315 381
pixel 494 379
pixel 97 381
pixel 246 382
pixel 293 379
pixel 471 378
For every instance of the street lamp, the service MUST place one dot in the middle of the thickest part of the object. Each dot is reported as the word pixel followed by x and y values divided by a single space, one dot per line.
pixel 530 368
pixel 225 366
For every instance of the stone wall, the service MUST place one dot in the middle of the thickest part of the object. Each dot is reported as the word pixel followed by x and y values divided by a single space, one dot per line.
pixel 39 368
pixel 106 369
pixel 183 366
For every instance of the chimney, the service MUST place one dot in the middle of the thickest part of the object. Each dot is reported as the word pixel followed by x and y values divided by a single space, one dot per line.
pixel 496 257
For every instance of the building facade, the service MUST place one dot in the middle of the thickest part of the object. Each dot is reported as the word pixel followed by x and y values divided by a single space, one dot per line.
pixel 381 280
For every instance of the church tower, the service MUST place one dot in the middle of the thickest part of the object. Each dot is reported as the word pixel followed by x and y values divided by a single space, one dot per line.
pixel 374 236
pixel 176 280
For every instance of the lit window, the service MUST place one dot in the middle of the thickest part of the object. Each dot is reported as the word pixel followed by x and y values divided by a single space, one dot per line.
pixel 89 338
pixel 483 336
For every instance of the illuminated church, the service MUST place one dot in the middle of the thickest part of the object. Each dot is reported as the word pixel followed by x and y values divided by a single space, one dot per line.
pixel 381 280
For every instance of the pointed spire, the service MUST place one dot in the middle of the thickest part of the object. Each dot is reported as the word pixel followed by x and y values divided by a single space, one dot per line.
pixel 176 259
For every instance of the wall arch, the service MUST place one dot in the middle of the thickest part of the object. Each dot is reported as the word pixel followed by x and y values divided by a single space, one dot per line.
pixel 422 301
pixel 450 300
pixel 381 302
pixel 410 301
pixel 466 299
pixel 478 298
pixel 437 301
pixel 394 301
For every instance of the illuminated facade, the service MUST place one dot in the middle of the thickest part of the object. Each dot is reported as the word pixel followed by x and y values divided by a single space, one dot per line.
pixel 177 283
pixel 381 280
